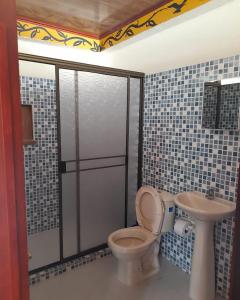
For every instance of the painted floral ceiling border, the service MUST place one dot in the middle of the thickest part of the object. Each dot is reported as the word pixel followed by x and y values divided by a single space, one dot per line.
pixel 48 33
pixel 164 13
pixel 43 32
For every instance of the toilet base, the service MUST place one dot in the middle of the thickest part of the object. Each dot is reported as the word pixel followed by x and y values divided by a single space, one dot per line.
pixel 131 272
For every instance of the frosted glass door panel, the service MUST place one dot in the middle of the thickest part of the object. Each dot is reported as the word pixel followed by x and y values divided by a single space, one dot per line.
pixel 102 194
pixel 102 115
pixel 67 114
pixel 133 148
pixel 43 248
pixel 69 212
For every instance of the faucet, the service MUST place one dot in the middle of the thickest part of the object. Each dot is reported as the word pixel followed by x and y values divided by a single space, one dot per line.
pixel 210 195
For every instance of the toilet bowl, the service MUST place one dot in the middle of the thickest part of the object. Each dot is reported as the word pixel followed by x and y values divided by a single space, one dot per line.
pixel 137 248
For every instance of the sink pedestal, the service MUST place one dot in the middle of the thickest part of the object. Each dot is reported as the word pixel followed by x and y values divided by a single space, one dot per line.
pixel 202 282
pixel 205 212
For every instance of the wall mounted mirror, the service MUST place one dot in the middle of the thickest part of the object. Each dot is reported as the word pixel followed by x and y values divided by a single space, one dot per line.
pixel 221 104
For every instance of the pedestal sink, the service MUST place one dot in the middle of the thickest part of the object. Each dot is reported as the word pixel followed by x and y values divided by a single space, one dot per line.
pixel 205 212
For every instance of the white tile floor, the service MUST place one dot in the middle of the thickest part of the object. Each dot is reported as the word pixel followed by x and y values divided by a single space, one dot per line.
pixel 97 281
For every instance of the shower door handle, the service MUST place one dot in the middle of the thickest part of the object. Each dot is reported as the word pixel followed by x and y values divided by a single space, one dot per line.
pixel 62 167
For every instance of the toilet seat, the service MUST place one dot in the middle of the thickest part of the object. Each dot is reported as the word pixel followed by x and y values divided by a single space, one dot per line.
pixel 135 237
pixel 149 209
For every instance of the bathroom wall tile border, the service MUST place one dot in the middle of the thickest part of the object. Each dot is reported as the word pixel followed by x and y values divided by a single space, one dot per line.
pixel 68 266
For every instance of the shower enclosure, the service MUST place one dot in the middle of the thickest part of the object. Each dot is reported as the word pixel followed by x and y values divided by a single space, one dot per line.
pixel 98 115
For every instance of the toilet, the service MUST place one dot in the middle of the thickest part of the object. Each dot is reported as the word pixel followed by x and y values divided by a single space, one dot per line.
pixel 137 248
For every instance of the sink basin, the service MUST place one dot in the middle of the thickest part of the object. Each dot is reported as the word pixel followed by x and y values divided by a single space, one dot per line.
pixel 205 212
pixel 201 208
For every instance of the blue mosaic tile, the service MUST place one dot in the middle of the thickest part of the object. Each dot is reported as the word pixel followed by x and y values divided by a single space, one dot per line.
pixel 41 159
pixel 178 155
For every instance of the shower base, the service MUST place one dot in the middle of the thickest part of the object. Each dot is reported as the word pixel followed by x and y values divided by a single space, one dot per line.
pixel 68 266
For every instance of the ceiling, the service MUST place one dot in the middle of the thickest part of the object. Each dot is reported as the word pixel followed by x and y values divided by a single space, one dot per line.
pixel 93 17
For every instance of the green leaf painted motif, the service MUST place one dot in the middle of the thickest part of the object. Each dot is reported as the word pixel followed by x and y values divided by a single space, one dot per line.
pixel 33 33
pixel 77 43
pixel 61 34
pixel 129 32
pixel 151 23
pixel 118 33
pixel 46 38
pixel 96 47
pixel 21 27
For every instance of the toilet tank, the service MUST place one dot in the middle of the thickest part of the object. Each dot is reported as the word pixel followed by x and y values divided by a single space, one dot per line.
pixel 168 200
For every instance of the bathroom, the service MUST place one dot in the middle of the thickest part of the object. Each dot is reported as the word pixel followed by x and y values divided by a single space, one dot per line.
pixel 130 163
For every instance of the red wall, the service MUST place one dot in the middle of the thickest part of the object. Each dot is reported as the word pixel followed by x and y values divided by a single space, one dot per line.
pixel 13 239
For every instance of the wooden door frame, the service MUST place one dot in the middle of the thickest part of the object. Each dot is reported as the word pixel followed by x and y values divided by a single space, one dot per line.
pixel 13 238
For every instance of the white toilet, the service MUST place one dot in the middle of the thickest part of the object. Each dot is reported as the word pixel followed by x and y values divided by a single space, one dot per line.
pixel 137 248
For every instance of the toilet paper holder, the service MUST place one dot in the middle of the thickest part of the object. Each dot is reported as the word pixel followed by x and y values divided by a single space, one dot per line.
pixel 188 219
pixel 184 226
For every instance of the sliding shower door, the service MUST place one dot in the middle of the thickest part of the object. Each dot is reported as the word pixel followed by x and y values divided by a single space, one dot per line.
pixel 82 156
pixel 99 133
pixel 102 107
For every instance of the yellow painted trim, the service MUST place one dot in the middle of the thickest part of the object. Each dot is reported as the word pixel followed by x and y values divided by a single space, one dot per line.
pixel 45 33
pixel 164 13
pixel 156 17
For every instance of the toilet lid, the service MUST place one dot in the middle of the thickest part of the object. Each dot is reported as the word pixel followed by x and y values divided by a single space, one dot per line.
pixel 149 209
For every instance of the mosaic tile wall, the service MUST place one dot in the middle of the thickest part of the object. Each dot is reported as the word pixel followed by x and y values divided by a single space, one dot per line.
pixel 181 156
pixel 41 159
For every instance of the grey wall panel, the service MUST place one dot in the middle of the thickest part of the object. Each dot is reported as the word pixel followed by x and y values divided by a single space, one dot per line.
pixel 67 114
pixel 133 148
pixel 102 115
pixel 102 194
pixel 69 199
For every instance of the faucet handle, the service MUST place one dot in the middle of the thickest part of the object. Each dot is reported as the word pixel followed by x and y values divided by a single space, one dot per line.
pixel 210 193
